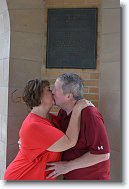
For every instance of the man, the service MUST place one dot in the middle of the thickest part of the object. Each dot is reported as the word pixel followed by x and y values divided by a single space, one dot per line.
pixel 89 159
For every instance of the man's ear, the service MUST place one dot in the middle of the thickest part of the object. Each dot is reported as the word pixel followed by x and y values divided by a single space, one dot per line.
pixel 70 96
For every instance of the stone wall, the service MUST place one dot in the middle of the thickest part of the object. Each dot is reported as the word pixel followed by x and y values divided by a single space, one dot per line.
pixel 110 81
pixel 4 75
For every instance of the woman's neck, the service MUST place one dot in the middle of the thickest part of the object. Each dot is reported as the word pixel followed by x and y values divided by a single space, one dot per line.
pixel 40 111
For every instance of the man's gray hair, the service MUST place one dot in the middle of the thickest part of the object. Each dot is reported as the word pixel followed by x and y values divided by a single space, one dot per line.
pixel 72 83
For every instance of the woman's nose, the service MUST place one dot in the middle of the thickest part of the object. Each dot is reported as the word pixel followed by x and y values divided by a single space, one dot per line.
pixel 53 92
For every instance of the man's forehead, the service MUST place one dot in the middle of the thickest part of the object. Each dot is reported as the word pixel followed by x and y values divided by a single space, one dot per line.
pixel 58 82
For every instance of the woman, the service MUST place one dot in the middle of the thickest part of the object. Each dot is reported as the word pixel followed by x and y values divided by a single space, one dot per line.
pixel 41 142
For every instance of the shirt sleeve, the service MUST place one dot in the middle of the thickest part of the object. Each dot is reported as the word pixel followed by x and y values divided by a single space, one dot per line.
pixel 41 135
pixel 38 137
pixel 95 132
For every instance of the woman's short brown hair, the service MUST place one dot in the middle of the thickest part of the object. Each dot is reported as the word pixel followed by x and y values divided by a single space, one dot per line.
pixel 33 92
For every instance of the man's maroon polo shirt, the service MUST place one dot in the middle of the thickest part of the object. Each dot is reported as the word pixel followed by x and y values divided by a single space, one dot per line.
pixel 93 139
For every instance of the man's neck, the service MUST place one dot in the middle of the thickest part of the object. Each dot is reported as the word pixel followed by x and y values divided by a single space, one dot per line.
pixel 69 107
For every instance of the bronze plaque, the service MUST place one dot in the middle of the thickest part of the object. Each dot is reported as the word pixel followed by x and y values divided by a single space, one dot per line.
pixel 71 38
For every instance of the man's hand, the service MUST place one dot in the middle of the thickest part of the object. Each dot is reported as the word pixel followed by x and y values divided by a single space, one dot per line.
pixel 58 168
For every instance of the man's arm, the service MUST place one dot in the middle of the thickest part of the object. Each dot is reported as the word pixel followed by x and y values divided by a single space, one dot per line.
pixel 85 160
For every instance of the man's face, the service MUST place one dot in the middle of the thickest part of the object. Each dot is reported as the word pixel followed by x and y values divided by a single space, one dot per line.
pixel 59 96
